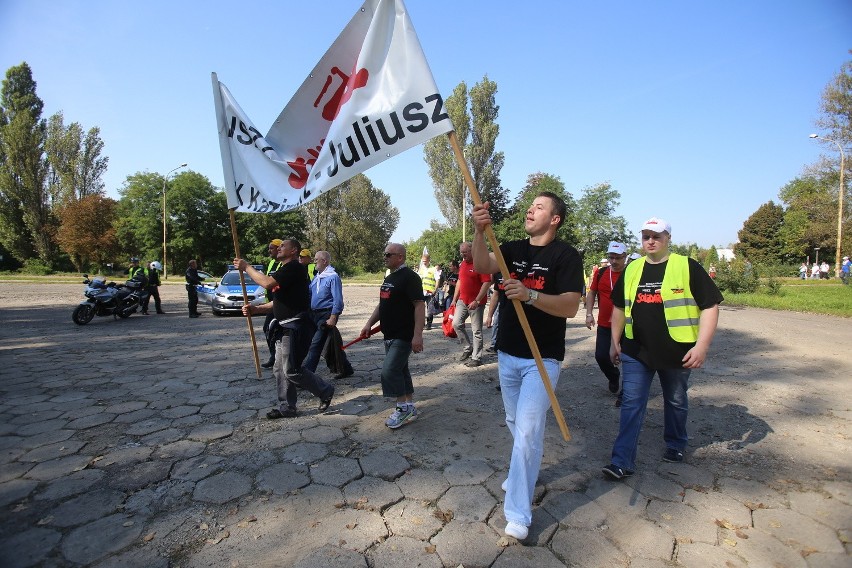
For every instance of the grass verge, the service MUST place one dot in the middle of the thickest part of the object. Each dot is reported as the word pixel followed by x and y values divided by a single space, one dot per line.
pixel 809 296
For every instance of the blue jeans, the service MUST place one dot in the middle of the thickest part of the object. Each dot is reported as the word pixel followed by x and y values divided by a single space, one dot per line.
pixel 311 361
pixel 636 387
pixel 495 324
pixel 396 378
pixel 526 403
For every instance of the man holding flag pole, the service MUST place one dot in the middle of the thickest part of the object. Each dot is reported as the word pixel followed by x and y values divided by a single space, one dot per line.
pixel 546 274
pixel 291 331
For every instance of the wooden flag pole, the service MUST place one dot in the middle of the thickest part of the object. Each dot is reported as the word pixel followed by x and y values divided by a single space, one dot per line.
pixel 504 270
pixel 245 294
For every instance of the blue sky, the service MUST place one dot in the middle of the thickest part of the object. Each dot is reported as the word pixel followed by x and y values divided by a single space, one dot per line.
pixel 695 111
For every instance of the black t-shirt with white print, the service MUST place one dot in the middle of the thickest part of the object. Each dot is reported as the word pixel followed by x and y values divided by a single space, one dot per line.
pixel 651 341
pixel 555 269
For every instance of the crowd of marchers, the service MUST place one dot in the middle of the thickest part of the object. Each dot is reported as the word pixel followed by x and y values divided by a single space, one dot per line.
pixel 656 316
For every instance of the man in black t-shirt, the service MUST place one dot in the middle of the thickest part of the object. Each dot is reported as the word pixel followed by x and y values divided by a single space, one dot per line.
pixel 401 313
pixel 665 311
pixel 545 274
pixel 292 329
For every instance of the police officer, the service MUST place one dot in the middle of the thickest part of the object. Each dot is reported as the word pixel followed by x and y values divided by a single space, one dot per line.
pixel 152 272
pixel 192 280
pixel 134 268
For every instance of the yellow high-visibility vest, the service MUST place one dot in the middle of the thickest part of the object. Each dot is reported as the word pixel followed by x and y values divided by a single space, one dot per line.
pixel 427 275
pixel 679 306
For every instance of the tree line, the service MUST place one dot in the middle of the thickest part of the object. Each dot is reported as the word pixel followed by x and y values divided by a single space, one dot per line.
pixel 805 218
pixel 55 215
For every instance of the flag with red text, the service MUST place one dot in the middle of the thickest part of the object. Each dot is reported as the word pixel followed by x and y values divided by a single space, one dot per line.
pixel 371 96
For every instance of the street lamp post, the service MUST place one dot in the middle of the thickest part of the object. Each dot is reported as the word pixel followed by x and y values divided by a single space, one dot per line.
pixel 839 203
pixel 165 178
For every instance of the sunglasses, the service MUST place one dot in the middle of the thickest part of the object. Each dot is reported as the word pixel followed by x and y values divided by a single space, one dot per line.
pixel 390 254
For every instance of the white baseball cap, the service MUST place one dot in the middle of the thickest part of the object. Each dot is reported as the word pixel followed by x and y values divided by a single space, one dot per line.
pixel 657 225
pixel 616 247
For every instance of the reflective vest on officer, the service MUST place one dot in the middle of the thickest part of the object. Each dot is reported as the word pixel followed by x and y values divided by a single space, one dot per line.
pixel 679 306
pixel 133 271
pixel 270 268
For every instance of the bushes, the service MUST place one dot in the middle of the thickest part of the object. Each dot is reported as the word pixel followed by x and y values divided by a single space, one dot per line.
pixel 773 287
pixel 736 276
pixel 36 267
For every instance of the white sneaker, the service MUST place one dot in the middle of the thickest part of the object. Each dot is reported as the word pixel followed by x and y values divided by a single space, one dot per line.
pixel 516 530
pixel 401 417
pixel 505 485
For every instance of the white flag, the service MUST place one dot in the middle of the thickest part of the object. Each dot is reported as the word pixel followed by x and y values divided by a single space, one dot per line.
pixel 371 96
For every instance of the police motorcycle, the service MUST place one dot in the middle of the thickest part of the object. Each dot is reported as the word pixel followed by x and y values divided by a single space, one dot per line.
pixel 102 299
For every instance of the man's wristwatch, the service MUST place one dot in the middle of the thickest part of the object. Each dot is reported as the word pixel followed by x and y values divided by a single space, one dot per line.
pixel 533 298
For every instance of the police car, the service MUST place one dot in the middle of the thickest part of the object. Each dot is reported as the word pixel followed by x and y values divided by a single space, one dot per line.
pixel 226 296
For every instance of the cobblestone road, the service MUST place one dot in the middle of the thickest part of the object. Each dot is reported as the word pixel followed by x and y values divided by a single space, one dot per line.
pixel 143 442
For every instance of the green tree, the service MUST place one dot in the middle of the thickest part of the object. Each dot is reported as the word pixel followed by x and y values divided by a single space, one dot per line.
pixel 353 222
pixel 810 214
pixel 760 238
pixel 197 220
pixel 512 226
pixel 75 162
pixel 711 257
pixel 442 241
pixel 139 222
pixel 597 223
pixel 474 117
pixel 836 107
pixel 257 229
pixel 26 220
pixel 836 117
pixel 692 250
pixel 198 223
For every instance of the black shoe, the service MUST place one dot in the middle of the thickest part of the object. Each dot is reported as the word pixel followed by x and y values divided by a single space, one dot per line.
pixel 673 456
pixel 491 350
pixel 161 312
pixel 288 412
pixel 464 356
pixel 144 313
pixel 345 374
pixel 614 472
pixel 473 363
pixel 613 385
pixel 268 364
pixel 324 404
pixel 193 315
